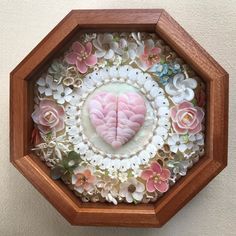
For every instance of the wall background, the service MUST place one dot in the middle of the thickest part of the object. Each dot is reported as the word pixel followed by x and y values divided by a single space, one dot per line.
pixel 23 211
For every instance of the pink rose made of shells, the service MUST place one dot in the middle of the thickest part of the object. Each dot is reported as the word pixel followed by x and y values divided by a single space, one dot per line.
pixel 49 116
pixel 186 118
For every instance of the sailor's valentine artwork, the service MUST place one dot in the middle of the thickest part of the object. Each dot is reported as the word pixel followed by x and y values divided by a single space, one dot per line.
pixel 119 117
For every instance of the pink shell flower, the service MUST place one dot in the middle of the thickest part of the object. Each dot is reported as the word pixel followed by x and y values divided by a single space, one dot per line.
pixel 84 180
pixel 81 56
pixel 150 56
pixel 186 118
pixel 156 178
pixel 49 116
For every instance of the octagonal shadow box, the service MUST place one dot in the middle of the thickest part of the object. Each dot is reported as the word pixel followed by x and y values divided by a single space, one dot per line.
pixel 119 117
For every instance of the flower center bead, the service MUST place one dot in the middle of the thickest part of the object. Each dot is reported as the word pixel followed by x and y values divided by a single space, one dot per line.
pixel 49 117
pixel 156 178
pixel 81 179
pixel 187 118
pixel 106 47
pixel 131 188
pixel 153 58
pixel 83 55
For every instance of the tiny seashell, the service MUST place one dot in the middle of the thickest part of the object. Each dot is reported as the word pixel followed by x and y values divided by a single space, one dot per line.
pixel 144 157
pixel 142 79
pixel 95 198
pixel 72 130
pixel 148 85
pixel 78 83
pixel 124 70
pixel 151 149
pixel 164 122
pixel 135 162
pixel 81 148
pixel 113 71
pixel 163 111
pixel 96 77
pixel 57 172
pixel 70 120
pixel 89 154
pixel 166 148
pixel 134 74
pixel 154 92
pixel 104 73
pixel 105 164
pixel 88 82
pixel 161 131
pixel 157 140
pixel 124 165
pixel 75 139
pixel 162 101
pixel 85 199
pixel 70 110
pixel 68 81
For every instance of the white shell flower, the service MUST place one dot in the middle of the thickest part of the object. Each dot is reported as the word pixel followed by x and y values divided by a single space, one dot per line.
pixel 81 148
pixel 127 50
pixel 196 140
pixel 181 88
pixel 132 190
pixel 108 189
pixel 62 94
pixel 105 45
pixel 46 85
pixel 177 142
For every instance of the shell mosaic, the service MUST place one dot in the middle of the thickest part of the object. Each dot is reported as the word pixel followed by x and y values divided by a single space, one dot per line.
pixel 119 117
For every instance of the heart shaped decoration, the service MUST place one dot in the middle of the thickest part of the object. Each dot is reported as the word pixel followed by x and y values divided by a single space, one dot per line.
pixel 117 118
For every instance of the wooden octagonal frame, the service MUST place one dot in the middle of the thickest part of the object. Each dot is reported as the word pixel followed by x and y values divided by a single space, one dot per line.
pixel 142 215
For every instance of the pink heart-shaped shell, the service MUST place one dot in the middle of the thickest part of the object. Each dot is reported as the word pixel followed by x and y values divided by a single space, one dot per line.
pixel 117 118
